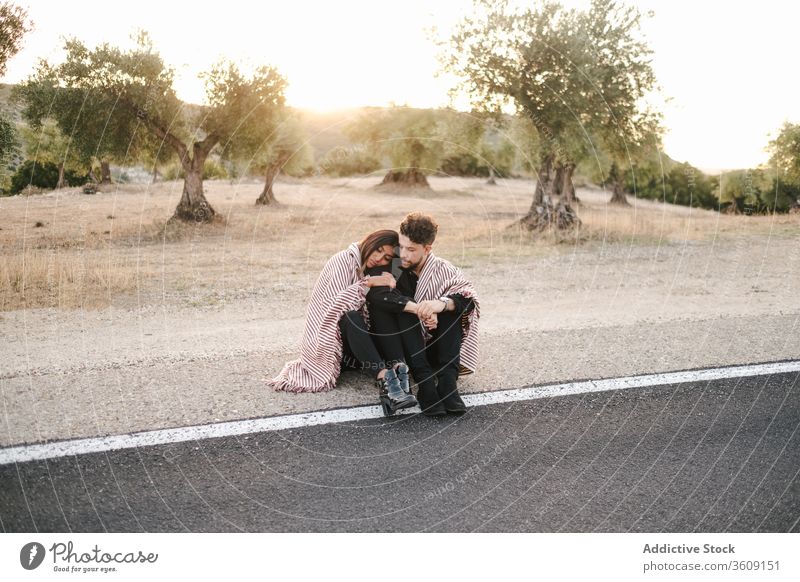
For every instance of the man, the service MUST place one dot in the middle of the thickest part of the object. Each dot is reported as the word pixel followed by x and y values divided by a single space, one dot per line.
pixel 433 312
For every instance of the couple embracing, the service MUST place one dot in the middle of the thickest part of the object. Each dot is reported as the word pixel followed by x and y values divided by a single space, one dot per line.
pixel 391 308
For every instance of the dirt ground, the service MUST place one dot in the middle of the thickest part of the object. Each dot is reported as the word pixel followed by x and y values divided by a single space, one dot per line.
pixel 113 324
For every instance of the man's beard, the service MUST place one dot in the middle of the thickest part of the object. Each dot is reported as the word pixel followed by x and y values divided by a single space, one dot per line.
pixel 414 266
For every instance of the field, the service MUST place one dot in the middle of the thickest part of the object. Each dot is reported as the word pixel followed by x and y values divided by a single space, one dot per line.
pixel 114 322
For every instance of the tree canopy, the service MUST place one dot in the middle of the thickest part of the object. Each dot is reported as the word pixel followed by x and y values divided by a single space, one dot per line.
pixel 579 76
pixel 785 153
pixel 117 104
pixel 14 24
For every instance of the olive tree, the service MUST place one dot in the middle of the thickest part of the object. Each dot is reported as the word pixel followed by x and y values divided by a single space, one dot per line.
pixel 48 144
pixel 573 73
pixel 14 24
pixel 120 103
pixel 410 138
pixel 785 153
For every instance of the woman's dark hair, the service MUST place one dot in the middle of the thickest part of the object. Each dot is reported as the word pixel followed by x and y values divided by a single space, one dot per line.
pixel 375 240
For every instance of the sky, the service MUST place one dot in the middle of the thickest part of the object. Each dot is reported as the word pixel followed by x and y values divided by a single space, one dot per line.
pixel 726 69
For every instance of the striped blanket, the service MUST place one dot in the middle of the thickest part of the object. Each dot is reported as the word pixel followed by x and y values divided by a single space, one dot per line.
pixel 440 277
pixel 341 287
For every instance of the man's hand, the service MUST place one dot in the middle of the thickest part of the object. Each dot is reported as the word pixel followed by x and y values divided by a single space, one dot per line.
pixel 431 322
pixel 430 307
pixel 385 279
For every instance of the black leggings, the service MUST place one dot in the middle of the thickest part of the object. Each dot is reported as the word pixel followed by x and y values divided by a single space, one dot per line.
pixel 362 349
pixel 402 331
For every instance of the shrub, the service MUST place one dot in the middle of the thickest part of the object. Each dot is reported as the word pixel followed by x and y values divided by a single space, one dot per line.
pixel 342 161
pixel 467 164
pixel 680 184
pixel 39 174
pixel 42 175
pixel 211 169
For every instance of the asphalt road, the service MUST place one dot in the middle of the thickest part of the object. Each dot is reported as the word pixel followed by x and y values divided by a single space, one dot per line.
pixel 721 456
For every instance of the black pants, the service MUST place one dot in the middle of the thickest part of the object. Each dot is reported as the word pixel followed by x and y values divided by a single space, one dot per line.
pixel 438 361
pixel 362 351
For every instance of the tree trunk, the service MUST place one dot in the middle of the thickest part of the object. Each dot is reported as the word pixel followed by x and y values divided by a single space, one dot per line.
pixel 61 180
pixel 267 196
pixel 732 208
pixel 544 184
pixel 558 181
pixel 491 181
pixel 566 189
pixel 539 214
pixel 193 206
pixel 411 178
pixel 105 172
pixel 552 182
pixel 618 193
pixel 565 217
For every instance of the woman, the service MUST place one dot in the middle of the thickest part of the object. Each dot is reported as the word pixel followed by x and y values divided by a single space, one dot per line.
pixel 336 330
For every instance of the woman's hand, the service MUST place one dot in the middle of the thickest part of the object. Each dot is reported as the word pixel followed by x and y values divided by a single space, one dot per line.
pixel 385 279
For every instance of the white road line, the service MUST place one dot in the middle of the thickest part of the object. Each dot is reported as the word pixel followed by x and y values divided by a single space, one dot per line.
pixel 24 453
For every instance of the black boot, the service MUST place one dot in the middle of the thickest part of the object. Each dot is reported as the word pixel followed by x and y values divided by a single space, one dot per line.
pixel 392 396
pixel 402 374
pixel 448 393
pixel 429 401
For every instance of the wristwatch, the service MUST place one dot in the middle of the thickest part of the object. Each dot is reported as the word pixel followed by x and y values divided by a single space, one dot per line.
pixel 446 301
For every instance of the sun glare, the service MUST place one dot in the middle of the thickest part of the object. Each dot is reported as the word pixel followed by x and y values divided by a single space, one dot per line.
pixel 723 65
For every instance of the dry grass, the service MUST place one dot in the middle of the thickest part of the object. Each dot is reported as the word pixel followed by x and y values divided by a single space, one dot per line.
pixel 62 279
pixel 90 248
